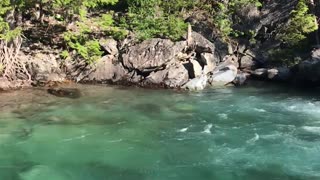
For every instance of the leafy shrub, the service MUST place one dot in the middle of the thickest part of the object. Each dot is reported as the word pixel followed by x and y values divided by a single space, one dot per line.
pixel 300 24
pixel 156 18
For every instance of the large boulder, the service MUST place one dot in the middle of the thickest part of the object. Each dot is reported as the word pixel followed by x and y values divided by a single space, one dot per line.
pixel 177 76
pixel 174 76
pixel 196 84
pixel 247 62
pixel 152 54
pixel 107 71
pixel 223 74
pixel 45 68
pixel 201 44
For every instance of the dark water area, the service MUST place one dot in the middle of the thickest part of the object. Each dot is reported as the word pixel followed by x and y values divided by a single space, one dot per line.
pixel 256 132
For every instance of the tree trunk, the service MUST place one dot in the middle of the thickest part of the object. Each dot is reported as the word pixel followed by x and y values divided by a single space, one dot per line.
pixel 189 35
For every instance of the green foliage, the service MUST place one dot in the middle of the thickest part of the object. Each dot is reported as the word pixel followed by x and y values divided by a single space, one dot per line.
pixel 87 49
pixel 64 54
pixel 157 18
pixel 5 6
pixel 106 24
pixel 300 24
pixel 7 33
pixel 284 57
pixel 224 15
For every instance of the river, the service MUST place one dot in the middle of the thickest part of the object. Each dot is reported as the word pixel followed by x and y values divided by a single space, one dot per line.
pixel 262 132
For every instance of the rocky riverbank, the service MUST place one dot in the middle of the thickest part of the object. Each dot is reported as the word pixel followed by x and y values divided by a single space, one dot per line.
pixel 200 59
pixel 161 63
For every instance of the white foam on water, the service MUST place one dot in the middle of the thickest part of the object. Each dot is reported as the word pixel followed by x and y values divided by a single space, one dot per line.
pixel 183 129
pixel 259 110
pixel 223 116
pixel 115 141
pixel 302 106
pixel 207 129
pixel 254 139
pixel 76 138
pixel 311 129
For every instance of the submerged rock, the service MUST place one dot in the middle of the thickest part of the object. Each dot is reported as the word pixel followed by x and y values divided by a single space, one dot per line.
pixel 65 92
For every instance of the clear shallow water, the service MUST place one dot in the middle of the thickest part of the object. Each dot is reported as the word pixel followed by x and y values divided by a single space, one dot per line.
pixel 245 133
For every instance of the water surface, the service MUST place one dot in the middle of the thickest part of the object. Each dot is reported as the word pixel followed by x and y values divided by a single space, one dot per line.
pixel 248 133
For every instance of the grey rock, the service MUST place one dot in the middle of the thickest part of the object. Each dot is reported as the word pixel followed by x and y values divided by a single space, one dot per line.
pixel 223 75
pixel 6 85
pixel 247 62
pixel 240 79
pixel 241 48
pixel 196 84
pixel 177 76
pixel 307 72
pixel 156 77
pixel 279 74
pixel 109 45
pixel 261 73
pixel 230 59
pixel 275 74
pixel 197 69
pixel 44 68
pixel 152 54
pixel 134 78
pixel 201 44
pixel 209 62
pixel 107 70
pixel 174 76
pixel 315 55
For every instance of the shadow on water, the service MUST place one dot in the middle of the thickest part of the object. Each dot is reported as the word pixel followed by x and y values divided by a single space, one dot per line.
pixel 97 170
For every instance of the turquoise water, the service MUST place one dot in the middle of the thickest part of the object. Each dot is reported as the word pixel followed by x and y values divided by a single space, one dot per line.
pixel 249 133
